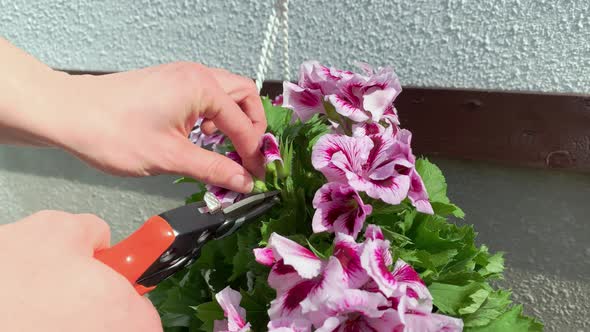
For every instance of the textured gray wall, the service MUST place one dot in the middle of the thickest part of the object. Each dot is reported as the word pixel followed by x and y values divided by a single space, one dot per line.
pixel 539 218
pixel 511 44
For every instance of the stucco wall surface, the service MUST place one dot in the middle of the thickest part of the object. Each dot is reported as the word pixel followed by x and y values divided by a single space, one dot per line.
pixel 510 44
pixel 540 219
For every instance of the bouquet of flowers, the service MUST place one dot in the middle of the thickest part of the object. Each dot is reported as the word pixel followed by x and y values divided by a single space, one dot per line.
pixel 363 238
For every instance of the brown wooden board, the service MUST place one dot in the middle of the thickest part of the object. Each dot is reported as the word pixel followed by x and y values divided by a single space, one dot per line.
pixel 538 130
pixel 513 128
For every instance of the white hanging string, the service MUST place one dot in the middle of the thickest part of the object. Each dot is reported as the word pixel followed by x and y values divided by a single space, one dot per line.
pixel 270 38
pixel 285 21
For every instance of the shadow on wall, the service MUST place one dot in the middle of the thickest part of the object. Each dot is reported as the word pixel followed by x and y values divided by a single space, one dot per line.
pixel 539 218
pixel 59 164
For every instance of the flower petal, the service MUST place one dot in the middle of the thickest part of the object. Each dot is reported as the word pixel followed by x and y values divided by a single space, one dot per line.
pixel 418 195
pixel 264 256
pixel 390 116
pixel 339 208
pixel 392 190
pixel 357 301
pixel 389 321
pixel 270 149
pixel 197 137
pixel 417 320
pixel 408 279
pixel 313 75
pixel 376 259
pixel 331 282
pixel 386 78
pixel 446 323
pixel 354 310
pixel 331 324
pixel 304 102
pixel 229 300
pixel 225 196
pixel 282 277
pixel 347 251
pixel 374 232
pixel 381 153
pixel 367 129
pixel 300 258
pixel 278 100
pixel 376 101
pixel 289 325
pixel 339 157
pixel 308 294
pixel 348 108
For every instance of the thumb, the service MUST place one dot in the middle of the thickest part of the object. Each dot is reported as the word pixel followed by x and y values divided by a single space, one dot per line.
pixel 82 233
pixel 95 233
pixel 212 168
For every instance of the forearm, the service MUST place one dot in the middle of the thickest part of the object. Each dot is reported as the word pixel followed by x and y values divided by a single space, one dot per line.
pixel 30 97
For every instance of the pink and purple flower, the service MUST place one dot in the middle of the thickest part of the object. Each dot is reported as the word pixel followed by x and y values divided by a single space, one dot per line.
pixel 270 149
pixel 340 209
pixel 212 141
pixel 225 196
pixel 354 96
pixel 235 321
pixel 366 163
pixel 353 290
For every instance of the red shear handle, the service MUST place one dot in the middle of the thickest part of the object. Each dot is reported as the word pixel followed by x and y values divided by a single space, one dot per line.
pixel 134 255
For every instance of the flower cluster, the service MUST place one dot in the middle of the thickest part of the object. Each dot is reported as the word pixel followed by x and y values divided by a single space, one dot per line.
pixel 354 97
pixel 322 259
pixel 269 147
pixel 353 290
pixel 366 157
pixel 367 152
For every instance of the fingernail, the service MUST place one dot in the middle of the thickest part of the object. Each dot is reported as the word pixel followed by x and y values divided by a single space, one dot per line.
pixel 242 181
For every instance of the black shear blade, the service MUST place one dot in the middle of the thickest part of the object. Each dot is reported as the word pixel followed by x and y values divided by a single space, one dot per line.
pixel 245 210
pixel 194 228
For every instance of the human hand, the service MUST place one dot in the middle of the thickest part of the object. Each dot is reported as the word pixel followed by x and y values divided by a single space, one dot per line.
pixel 136 123
pixel 51 282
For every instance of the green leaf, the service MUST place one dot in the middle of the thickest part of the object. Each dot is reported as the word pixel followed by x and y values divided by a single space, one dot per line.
pixel 513 321
pixel 447 209
pixel 434 180
pixel 185 179
pixel 315 251
pixel 477 299
pixel 493 306
pixel 208 313
pixel 434 233
pixel 248 238
pixel 256 304
pixel 280 227
pixel 174 297
pixel 196 197
pixel 314 130
pixel 450 299
pixel 287 154
pixel 434 261
pixel 278 118
pixel 408 221
pixel 216 262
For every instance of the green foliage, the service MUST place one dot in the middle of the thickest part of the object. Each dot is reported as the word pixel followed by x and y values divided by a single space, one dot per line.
pixel 456 270
pixel 436 186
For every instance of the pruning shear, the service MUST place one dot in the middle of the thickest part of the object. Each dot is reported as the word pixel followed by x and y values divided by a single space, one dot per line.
pixel 168 242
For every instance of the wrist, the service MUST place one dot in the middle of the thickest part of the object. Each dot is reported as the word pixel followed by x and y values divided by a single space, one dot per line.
pixel 31 101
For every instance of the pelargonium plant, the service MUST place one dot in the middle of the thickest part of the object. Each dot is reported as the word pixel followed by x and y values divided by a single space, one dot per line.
pixel 364 239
